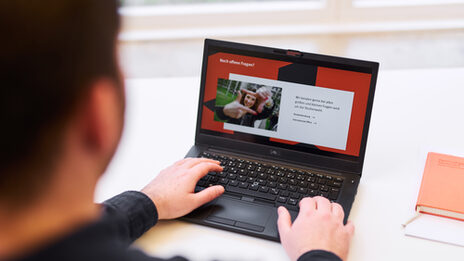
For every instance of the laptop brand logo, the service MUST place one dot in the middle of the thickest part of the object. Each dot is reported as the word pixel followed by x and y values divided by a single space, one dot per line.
pixel 274 153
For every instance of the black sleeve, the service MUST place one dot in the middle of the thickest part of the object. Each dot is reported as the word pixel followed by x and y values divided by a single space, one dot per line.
pixel 220 113
pixel 319 255
pixel 131 213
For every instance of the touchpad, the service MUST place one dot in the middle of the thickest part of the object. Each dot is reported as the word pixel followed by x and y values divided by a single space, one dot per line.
pixel 240 214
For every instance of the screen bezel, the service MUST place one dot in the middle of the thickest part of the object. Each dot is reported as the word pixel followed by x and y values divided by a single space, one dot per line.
pixel 320 159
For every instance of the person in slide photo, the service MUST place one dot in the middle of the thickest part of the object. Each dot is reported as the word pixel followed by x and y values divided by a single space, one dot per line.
pixel 248 107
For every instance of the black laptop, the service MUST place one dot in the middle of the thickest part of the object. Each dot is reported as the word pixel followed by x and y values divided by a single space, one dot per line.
pixel 285 125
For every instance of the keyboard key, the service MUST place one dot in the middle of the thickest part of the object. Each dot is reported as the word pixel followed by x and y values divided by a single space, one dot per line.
pixel 254 186
pixel 272 184
pixel 252 174
pixel 313 186
pixel 274 191
pixel 243 185
pixel 324 188
pixel 303 190
pixel 231 176
pixel 272 178
pixel 312 192
pixel 284 193
pixel 281 199
pixel 333 195
pixel 241 178
pixel 292 188
pixel 294 195
pixel 223 181
pixel 321 181
pixel 250 180
pixel 292 201
pixel 251 193
pixel 263 189
pixel 282 186
pixel 242 172
pixel 233 183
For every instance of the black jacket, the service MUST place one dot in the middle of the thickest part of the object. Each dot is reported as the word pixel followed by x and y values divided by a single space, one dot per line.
pixel 126 217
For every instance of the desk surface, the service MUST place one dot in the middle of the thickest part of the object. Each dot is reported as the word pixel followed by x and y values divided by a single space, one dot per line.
pixel 415 111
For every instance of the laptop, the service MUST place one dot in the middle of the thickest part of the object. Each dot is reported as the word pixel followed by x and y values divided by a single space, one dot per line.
pixel 285 125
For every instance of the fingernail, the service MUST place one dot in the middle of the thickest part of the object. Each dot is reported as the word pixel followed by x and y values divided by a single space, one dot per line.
pixel 279 210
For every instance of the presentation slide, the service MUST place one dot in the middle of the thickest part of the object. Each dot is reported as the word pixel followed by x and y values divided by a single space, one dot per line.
pixel 306 113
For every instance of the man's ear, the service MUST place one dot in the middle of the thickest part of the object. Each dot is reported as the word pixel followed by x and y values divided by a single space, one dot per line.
pixel 103 117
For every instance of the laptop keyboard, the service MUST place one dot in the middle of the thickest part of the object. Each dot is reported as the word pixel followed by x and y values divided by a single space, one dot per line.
pixel 270 182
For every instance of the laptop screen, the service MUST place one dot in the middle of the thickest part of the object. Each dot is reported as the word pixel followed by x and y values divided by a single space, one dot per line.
pixel 287 101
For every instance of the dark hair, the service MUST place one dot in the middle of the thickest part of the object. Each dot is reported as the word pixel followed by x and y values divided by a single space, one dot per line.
pixel 50 53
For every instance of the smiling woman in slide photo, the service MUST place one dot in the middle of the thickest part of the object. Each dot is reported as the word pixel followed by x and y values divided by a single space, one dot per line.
pixel 248 107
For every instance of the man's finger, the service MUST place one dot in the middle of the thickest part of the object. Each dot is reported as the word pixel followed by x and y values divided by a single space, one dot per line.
pixel 338 212
pixel 307 205
pixel 201 169
pixel 284 222
pixel 191 162
pixel 323 204
pixel 350 228
pixel 207 195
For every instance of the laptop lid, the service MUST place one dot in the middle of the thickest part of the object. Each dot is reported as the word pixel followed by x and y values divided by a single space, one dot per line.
pixel 286 105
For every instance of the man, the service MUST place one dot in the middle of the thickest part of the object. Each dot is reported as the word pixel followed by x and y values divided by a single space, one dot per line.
pixel 62 105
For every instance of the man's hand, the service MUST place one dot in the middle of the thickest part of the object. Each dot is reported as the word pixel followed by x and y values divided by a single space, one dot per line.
pixel 172 191
pixel 236 110
pixel 319 225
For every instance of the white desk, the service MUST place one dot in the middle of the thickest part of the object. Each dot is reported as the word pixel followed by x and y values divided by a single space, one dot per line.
pixel 414 111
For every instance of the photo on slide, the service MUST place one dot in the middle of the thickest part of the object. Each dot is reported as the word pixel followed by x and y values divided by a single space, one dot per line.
pixel 247 104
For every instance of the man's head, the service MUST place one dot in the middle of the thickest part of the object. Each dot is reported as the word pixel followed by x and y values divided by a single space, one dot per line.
pixel 59 78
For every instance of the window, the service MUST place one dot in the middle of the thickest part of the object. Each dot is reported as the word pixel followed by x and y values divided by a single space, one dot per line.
pixel 189 19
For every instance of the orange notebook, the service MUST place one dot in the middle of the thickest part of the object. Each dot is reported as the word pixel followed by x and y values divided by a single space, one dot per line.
pixel 442 189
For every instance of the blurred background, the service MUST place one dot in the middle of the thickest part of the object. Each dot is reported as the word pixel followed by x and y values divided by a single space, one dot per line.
pixel 164 38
